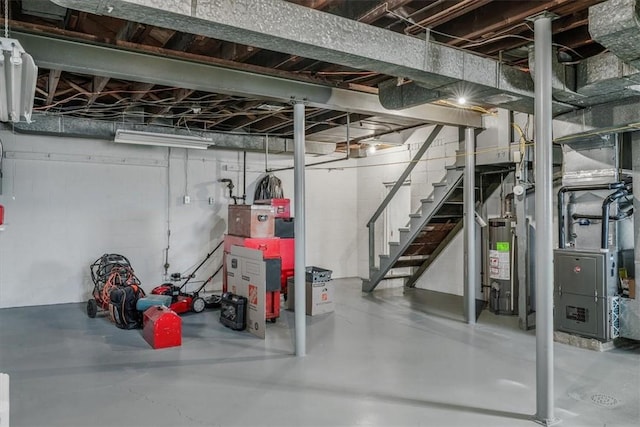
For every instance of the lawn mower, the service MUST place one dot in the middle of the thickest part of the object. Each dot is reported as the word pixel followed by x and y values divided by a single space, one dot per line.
pixel 183 301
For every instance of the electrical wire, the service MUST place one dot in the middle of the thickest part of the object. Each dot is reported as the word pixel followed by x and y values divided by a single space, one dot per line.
pixel 478 43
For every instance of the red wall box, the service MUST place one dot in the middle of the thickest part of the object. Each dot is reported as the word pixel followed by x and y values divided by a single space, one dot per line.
pixel 162 327
pixel 1 214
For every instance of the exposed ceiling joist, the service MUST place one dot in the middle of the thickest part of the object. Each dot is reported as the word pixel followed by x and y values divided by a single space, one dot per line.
pixel 100 60
pixel 334 39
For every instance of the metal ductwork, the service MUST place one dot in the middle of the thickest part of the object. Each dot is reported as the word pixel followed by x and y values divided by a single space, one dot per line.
pixel 426 70
pixel 442 71
pixel 609 82
pixel 76 127
pixel 614 24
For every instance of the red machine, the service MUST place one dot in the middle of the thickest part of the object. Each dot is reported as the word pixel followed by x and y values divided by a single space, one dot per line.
pixel 162 327
pixel 279 247
pixel 181 300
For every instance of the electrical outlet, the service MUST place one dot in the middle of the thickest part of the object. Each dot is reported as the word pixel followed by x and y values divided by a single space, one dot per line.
pixel 186 199
pixel 211 201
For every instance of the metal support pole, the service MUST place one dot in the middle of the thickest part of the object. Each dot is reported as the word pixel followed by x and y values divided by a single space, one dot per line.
pixel 544 221
pixel 470 226
pixel 522 226
pixel 299 229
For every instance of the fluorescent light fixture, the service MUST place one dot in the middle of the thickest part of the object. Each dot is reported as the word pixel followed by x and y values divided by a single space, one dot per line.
pixel 162 139
pixel 18 74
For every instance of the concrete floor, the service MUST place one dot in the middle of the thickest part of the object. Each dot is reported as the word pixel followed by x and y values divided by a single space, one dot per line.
pixel 386 359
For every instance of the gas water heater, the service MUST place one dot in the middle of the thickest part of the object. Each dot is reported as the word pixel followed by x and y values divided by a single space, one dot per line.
pixel 503 294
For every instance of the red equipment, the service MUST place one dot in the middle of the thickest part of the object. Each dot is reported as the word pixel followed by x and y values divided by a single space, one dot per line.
pixel 271 249
pixel 182 301
pixel 1 214
pixel 282 206
pixel 162 327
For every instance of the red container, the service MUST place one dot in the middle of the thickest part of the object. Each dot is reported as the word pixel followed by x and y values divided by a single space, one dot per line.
pixel 162 327
pixel 287 253
pixel 272 305
pixel 282 206
pixel 1 214
pixel 269 246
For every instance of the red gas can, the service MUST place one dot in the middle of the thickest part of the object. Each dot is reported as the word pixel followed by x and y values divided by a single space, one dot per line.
pixel 162 327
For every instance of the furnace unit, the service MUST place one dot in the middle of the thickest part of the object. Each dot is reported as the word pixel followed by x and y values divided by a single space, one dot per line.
pixel 584 293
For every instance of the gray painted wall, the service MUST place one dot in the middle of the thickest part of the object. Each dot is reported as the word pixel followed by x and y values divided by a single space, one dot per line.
pixel 68 201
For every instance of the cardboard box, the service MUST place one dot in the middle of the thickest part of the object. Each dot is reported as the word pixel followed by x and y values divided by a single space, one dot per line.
pixel 318 296
pixel 628 287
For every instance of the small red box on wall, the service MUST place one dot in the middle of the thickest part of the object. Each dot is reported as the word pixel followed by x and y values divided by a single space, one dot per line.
pixel 162 327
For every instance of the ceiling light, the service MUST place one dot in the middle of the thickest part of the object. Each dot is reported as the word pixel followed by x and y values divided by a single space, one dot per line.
pixel 162 139
pixel 462 100
pixel 18 74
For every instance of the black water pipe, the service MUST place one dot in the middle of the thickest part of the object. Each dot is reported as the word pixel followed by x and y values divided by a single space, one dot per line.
pixel 244 176
pixel 574 188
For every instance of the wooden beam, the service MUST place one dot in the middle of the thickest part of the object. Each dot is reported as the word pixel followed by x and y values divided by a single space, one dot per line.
pixel 98 84
pixel 52 85
pixel 496 17
pixel 377 12
pixel 179 96
pixel 446 13
pixel 140 90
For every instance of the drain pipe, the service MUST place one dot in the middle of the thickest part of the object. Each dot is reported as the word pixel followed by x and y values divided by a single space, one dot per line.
pixel 544 219
pixel 562 208
pixel 299 230
pixel 606 205
pixel 324 162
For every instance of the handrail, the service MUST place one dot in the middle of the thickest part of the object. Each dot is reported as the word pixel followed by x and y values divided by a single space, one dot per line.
pixel 399 182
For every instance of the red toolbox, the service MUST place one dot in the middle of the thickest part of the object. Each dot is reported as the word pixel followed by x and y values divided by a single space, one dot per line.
pixel 282 206
pixel 251 220
pixel 162 327
pixel 272 306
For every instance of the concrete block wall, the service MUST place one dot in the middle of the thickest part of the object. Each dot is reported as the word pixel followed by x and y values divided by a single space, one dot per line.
pixel 68 201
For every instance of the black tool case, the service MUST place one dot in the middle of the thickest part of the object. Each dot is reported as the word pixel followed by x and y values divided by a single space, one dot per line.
pixel 233 311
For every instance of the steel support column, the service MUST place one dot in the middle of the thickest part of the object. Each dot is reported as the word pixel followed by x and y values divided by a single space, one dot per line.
pixel 470 226
pixel 522 228
pixel 544 221
pixel 299 229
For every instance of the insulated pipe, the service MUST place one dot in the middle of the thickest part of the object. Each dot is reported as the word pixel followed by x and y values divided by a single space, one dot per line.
pixel 561 206
pixel 299 229
pixel 544 220
pixel 606 206
pixel 470 226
